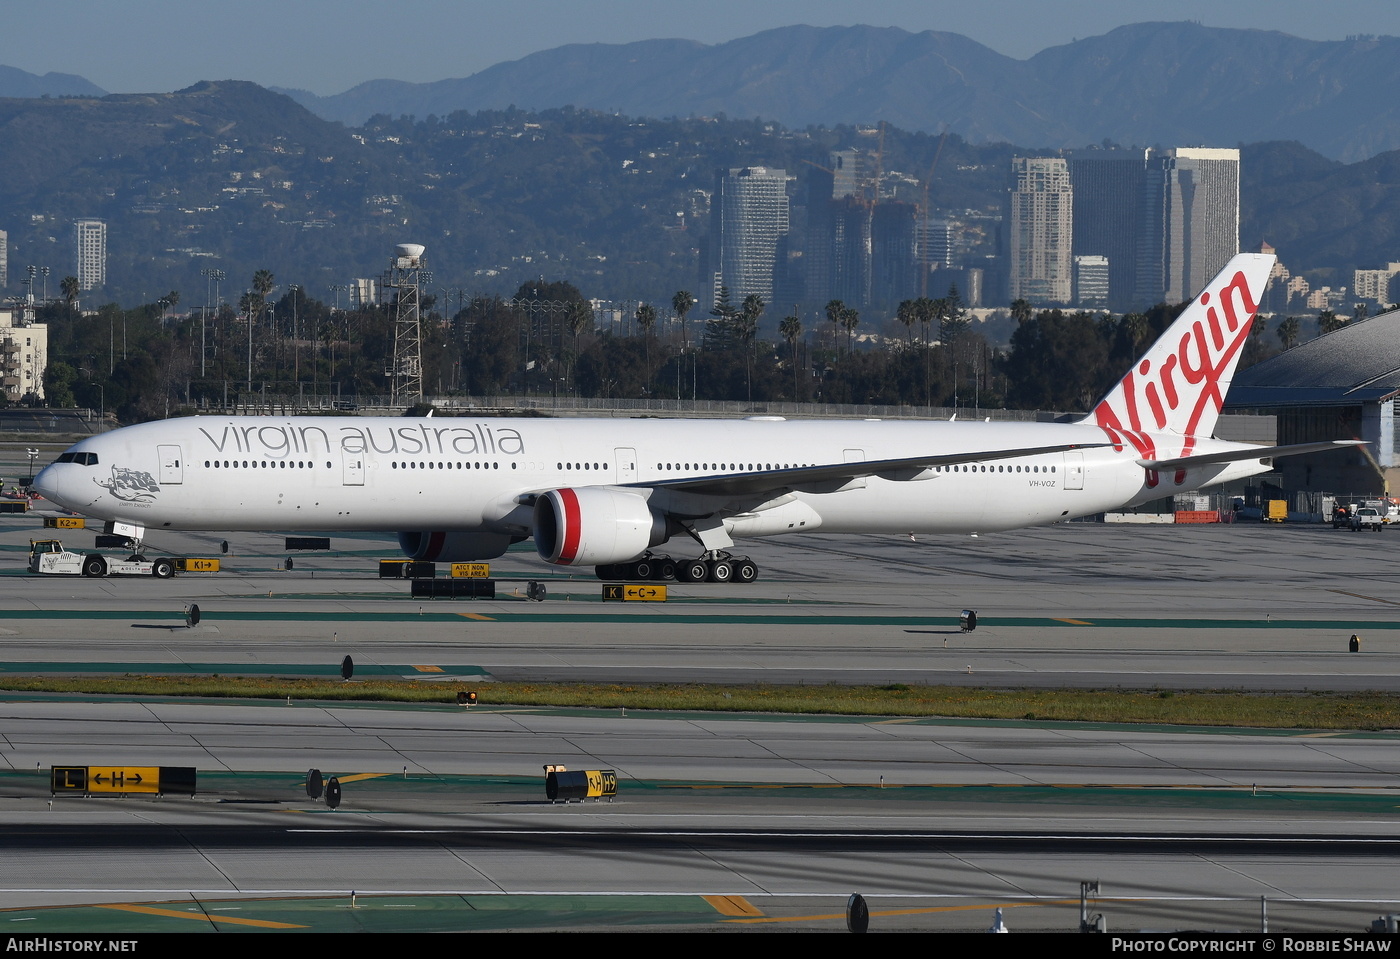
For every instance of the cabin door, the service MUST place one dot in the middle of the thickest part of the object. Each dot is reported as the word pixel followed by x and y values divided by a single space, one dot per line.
pixel 1074 470
pixel 625 463
pixel 354 469
pixel 172 471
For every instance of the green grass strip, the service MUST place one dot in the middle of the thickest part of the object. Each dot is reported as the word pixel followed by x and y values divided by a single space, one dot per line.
pixel 1293 711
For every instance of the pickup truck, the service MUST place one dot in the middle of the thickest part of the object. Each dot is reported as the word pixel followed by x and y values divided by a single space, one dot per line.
pixel 1367 517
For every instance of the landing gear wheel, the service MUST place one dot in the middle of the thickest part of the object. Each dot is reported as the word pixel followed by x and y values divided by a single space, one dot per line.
pixel 94 566
pixel 745 570
pixel 663 568
pixel 162 569
pixel 721 570
pixel 642 569
pixel 692 571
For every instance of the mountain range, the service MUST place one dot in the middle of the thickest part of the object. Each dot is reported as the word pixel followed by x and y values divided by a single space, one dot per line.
pixel 1145 84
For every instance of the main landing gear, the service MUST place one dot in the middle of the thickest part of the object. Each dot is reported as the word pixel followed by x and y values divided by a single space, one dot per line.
pixel 713 567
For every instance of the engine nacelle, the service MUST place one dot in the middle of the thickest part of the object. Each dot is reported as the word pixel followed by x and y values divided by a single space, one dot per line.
pixel 594 525
pixel 453 547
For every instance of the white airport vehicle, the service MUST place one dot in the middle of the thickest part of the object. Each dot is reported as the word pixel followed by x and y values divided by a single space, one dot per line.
pixel 608 492
pixel 1367 517
pixel 47 556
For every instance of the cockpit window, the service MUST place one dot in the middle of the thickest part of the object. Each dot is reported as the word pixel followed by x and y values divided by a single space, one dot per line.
pixel 65 457
pixel 82 459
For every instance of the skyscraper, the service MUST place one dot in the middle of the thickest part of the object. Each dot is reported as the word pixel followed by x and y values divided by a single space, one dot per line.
pixel 1190 224
pixel 749 214
pixel 1041 224
pixel 90 246
pixel 1091 281
pixel 894 270
pixel 1108 188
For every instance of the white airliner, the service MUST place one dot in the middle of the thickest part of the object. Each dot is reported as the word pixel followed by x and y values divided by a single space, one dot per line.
pixel 607 492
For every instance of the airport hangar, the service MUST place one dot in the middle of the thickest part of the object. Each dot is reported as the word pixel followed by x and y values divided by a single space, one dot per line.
pixel 1342 385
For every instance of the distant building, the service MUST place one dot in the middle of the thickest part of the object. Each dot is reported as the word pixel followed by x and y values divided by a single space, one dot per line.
pixel 851 221
pixel 1190 222
pixel 90 249
pixel 1092 281
pixel 935 244
pixel 893 267
pixel 364 292
pixel 749 217
pixel 4 259
pixel 1375 285
pixel 1343 385
pixel 24 351
pixel 1041 225
pixel 852 174
pixel 1108 200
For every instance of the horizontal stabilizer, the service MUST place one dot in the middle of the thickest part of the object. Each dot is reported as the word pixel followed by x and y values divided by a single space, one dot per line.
pixel 1257 453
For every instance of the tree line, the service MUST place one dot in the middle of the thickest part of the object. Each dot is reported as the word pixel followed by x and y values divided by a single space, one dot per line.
pixel 145 362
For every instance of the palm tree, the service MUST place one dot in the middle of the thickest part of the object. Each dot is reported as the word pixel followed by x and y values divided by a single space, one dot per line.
pixel 1020 311
pixel 646 319
pixel 579 318
pixel 682 303
pixel 791 328
pixel 908 313
pixel 1329 322
pixel 850 319
pixel 1288 332
pixel 835 309
pixel 749 315
pixel 70 290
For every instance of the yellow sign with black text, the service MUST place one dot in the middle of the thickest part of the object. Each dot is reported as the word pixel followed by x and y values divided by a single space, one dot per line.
pixel 65 522
pixel 123 779
pixel 190 564
pixel 634 593
pixel 471 570
pixel 601 782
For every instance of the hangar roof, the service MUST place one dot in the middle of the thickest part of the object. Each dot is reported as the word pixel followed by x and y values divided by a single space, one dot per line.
pixel 1353 366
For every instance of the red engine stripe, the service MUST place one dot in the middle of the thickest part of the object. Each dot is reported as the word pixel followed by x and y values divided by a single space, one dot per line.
pixel 572 531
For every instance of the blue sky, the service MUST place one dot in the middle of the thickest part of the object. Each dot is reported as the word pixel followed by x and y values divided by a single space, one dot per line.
pixel 327 46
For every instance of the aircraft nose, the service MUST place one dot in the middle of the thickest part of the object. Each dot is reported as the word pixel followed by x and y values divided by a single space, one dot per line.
pixel 47 484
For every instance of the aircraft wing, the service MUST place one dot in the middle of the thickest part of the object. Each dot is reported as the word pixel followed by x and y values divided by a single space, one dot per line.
pixel 1258 452
pixel 824 478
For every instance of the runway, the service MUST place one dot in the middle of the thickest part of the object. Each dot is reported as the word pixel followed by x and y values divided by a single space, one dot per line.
pixel 776 820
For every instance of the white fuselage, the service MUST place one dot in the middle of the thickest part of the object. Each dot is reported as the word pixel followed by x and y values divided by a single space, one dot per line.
pixel 458 474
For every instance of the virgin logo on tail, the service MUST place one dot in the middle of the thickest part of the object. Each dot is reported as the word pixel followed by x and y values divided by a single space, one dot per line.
pixel 1180 385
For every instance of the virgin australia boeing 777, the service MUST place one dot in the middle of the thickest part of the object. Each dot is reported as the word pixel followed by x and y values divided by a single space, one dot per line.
pixel 605 492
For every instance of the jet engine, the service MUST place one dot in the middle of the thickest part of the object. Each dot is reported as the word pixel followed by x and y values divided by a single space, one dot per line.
pixel 453 547
pixel 594 525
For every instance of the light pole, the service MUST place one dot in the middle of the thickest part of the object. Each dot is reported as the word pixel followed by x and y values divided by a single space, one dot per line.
pixel 33 455
pixel 44 271
pixel 249 296
pixel 101 398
